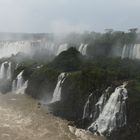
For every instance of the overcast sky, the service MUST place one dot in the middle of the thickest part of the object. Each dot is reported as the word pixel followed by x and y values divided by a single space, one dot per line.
pixel 68 15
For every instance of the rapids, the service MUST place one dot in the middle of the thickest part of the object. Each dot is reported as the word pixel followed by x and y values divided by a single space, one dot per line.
pixel 23 119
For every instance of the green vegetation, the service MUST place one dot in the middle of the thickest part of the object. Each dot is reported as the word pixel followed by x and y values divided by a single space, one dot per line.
pixel 42 82
pixel 69 60
pixel 85 76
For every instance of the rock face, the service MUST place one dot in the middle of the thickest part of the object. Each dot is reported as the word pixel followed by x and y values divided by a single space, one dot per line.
pixel 83 134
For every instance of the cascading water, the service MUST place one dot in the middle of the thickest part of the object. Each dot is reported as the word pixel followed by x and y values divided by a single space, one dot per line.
pixel 112 112
pixel 92 108
pixel 19 80
pixel 29 47
pixel 101 103
pixel 57 91
pixel 86 112
pixel 6 72
pixel 19 85
pixel 62 48
pixel 83 49
pixel 131 51
pixel 2 70
pixel 14 86
pixel 9 71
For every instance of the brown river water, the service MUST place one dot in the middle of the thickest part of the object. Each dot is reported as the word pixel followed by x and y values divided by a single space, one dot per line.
pixel 21 119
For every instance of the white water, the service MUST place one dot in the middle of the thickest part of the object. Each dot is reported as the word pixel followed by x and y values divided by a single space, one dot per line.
pixel 5 72
pixel 8 48
pixel 83 49
pixel 2 70
pixel 19 80
pixel 102 101
pixel 19 85
pixel 57 91
pixel 62 48
pixel 14 86
pixel 29 47
pixel 86 112
pixel 9 71
pixel 113 114
pixel 131 51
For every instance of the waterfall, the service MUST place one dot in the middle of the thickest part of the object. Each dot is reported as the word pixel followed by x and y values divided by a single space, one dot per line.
pixel 62 48
pixel 101 103
pixel 2 70
pixel 124 51
pixel 9 71
pixel 19 80
pixel 6 72
pixel 14 86
pixel 57 91
pixel 112 112
pixel 83 49
pixel 131 51
pixel 86 112
pixel 19 85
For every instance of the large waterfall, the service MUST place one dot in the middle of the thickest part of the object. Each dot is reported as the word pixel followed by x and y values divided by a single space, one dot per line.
pixel 5 71
pixel 110 111
pixel 19 85
pixel 57 91
pixel 83 49
pixel 131 51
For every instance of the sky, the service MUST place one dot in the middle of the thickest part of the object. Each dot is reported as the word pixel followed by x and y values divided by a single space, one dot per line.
pixel 46 16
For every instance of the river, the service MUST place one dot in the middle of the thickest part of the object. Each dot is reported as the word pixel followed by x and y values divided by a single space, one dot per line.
pixel 22 119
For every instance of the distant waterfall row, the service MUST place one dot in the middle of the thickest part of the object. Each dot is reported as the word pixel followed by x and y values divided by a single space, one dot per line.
pixel 109 112
pixel 131 51
pixel 8 48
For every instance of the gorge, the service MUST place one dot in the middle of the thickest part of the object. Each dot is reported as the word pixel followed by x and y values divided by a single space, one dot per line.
pixel 96 90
